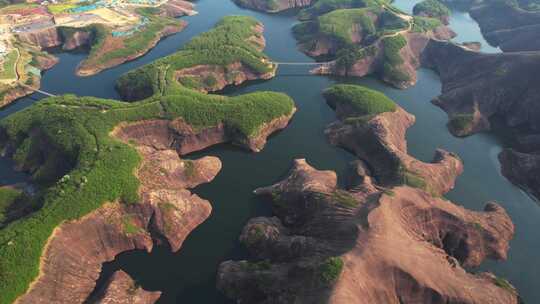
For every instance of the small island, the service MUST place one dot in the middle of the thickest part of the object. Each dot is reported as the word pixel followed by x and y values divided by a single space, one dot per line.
pixel 110 172
pixel 231 53
pixel 433 9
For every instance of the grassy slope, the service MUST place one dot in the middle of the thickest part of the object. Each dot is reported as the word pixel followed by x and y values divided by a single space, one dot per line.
pixel 362 100
pixel 432 8
pixel 77 129
pixel 227 43
pixel 7 197
pixel 9 66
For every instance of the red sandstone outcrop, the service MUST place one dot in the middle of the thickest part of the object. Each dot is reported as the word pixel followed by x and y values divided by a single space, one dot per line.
pixel 178 8
pixel 398 245
pixel 121 289
pixel 45 38
pixel 77 40
pixel 77 249
pixel 373 62
pixel 479 89
pixel 380 142
pixel 90 66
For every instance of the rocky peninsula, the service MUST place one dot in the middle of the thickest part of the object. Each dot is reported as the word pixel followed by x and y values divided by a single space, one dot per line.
pixel 494 95
pixel 376 39
pixel 113 175
pixel 229 54
pixel 513 26
pixel 376 241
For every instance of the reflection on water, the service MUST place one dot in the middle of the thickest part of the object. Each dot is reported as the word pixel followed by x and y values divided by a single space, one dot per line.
pixel 189 275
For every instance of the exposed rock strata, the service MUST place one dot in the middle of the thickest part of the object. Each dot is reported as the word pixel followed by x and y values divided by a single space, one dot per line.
pixel 508 26
pixel 121 289
pixel 373 63
pixel 398 246
pixel 77 249
pixel 380 142
pixel 480 89
pixel 380 241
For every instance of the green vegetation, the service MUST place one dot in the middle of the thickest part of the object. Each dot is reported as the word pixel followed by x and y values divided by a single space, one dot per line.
pixel 59 8
pixel 67 139
pixel 392 59
pixel 348 56
pixel 8 68
pixel 504 284
pixel 263 5
pixel 229 42
pixel 461 123
pixel 425 24
pixel 128 225
pixel 431 8
pixel 339 24
pixel 330 269
pixel 8 196
pixel 362 100
pixel 344 198
pixel 189 169
pixel 324 6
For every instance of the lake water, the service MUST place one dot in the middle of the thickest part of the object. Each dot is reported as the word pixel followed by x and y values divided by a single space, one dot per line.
pixel 189 275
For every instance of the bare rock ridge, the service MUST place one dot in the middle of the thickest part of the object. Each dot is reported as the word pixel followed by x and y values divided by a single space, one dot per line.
pixel 372 242
pixel 507 25
pixel 482 92
pixel 121 289
pixel 166 208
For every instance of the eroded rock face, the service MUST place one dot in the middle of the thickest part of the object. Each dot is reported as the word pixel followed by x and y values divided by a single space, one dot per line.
pixel 398 245
pixel 373 62
pixel 379 141
pixel 45 38
pixel 508 26
pixel 121 289
pixel 479 89
pixel 180 136
pixel 72 260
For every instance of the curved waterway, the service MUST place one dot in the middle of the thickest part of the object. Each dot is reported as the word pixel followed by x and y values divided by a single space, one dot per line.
pixel 189 275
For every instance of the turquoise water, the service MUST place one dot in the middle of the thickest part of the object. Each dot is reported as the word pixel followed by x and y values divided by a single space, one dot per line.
pixel 189 275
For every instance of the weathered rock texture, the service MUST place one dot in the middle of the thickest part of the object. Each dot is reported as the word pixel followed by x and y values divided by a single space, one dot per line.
pixel 273 6
pixel 397 246
pixel 482 92
pixel 121 289
pixel 508 26
pixel 373 61
pixel 380 142
pixel 73 257
pixel 384 240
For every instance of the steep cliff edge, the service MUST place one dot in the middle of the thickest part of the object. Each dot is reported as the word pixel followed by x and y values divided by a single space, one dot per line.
pixel 371 40
pixel 507 25
pixel 371 242
pixel 482 89
pixel 121 289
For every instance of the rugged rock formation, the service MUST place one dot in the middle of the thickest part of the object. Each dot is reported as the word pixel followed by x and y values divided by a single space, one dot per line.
pixel 383 240
pixel 379 141
pixel 328 245
pixel 483 90
pixel 523 169
pixel 167 212
pixel 92 67
pixel 508 26
pixel 185 139
pixel 273 6
pixel 45 38
pixel 76 40
pixel 121 289
pixel 178 8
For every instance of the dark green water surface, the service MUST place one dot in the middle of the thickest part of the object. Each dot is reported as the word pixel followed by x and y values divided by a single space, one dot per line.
pixel 189 275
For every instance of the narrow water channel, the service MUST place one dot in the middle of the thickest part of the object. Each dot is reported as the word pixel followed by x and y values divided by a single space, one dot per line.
pixel 189 275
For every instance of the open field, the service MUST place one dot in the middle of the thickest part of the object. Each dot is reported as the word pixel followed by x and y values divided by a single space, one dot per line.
pixel 8 72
